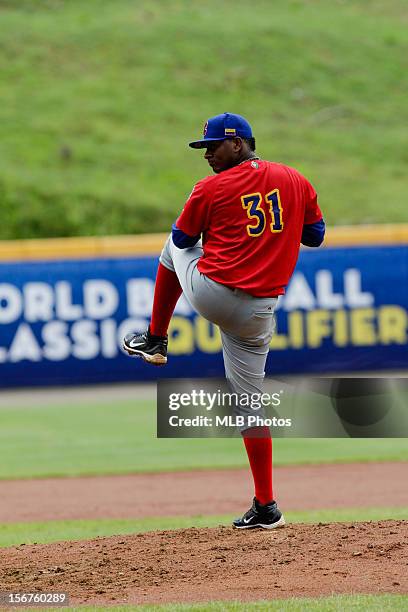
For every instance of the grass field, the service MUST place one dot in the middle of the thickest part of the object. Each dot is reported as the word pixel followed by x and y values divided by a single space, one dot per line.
pixel 324 604
pixel 107 437
pixel 335 603
pixel 117 438
pixel 13 534
pixel 100 98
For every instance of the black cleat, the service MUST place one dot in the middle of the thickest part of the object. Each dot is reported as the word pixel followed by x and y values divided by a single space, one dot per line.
pixel 152 349
pixel 268 517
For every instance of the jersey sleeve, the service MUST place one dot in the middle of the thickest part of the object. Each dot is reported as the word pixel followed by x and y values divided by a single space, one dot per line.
pixel 313 233
pixel 312 210
pixel 182 240
pixel 195 214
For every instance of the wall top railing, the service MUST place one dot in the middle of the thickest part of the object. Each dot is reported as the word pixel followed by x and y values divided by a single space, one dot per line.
pixel 151 244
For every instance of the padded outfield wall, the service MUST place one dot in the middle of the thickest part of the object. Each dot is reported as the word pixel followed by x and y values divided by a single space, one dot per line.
pixel 66 304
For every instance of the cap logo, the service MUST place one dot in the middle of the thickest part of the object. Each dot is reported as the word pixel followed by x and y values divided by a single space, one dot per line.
pixel 230 132
pixel 205 129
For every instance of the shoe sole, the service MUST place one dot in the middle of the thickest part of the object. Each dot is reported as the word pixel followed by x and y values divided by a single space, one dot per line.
pixel 280 523
pixel 157 359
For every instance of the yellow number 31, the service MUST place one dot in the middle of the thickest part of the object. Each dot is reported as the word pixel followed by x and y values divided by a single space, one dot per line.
pixel 252 203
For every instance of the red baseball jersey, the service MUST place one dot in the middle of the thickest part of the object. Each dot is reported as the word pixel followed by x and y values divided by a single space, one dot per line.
pixel 251 217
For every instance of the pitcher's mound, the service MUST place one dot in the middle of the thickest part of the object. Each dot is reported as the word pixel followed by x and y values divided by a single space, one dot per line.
pixel 190 565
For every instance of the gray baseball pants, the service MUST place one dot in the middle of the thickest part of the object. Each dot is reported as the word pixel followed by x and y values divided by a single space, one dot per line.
pixel 246 322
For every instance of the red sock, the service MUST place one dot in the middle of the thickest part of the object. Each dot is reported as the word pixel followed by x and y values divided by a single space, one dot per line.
pixel 167 291
pixel 258 446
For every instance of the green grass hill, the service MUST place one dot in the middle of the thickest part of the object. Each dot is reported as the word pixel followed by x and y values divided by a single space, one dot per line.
pixel 98 100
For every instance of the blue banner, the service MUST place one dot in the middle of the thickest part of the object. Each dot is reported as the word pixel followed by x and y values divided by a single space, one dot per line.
pixel 61 322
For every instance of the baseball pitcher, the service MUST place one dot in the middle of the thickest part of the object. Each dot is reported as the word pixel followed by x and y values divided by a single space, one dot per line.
pixel 232 252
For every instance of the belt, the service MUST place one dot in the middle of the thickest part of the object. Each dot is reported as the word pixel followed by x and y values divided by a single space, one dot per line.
pixel 249 296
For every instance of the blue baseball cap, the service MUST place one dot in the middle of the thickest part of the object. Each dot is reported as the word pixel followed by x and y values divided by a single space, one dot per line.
pixel 222 127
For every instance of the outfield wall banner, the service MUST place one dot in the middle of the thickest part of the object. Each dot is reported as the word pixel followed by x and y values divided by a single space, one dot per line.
pixel 61 322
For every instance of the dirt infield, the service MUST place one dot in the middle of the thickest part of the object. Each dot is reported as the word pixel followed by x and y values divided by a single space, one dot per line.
pixel 202 492
pixel 192 565
pixel 209 564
